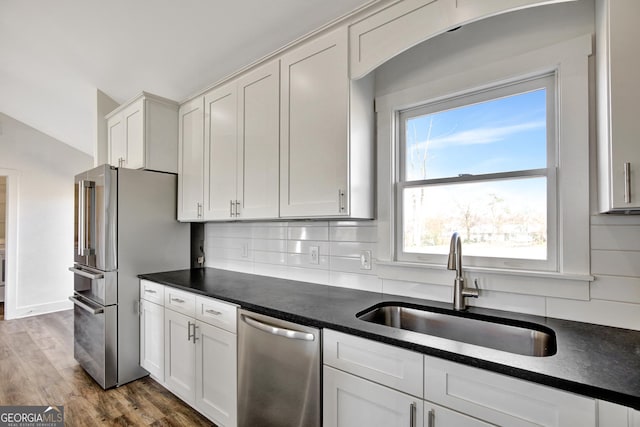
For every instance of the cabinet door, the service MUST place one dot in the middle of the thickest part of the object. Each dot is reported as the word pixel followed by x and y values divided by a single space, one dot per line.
pixel 152 338
pixel 619 92
pixel 134 133
pixel 116 141
pixel 180 355
pixel 349 401
pixel 258 142
pixel 216 366
pixel 221 132
pixel 314 128
pixel 191 160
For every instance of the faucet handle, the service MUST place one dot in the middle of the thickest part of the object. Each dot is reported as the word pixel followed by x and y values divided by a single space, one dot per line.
pixel 472 292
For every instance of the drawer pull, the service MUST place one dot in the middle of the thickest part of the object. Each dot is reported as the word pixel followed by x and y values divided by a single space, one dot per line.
pixel 211 311
pixel 431 418
pixel 412 414
pixel 178 300
pixel 150 291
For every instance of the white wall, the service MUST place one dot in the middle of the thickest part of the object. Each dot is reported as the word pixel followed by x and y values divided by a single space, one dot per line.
pixel 281 249
pixel 44 169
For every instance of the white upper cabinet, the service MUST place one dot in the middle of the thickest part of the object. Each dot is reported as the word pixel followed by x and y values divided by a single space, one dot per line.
pixel 319 162
pixel 258 143
pixel 191 159
pixel 143 134
pixel 618 59
pixel 221 135
pixel 402 25
pixel 242 142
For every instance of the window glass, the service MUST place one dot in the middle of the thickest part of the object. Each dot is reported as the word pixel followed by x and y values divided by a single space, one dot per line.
pixel 481 164
pixel 504 219
pixel 498 135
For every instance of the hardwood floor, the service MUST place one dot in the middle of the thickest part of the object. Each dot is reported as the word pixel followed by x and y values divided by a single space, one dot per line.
pixel 37 368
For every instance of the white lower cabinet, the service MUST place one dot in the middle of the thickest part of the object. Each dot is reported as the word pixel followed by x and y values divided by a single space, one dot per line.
pixel 152 339
pixel 350 401
pixel 370 383
pixel 179 356
pixel 216 365
pixel 189 345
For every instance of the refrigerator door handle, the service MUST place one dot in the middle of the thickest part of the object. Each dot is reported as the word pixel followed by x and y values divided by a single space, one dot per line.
pixel 81 217
pixel 88 275
pixel 86 307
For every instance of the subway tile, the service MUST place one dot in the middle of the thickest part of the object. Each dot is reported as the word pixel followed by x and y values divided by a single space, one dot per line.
pixel 349 265
pixel 355 281
pixel 304 246
pixel 268 245
pixel 417 290
pixel 615 263
pixel 270 257
pixel 309 275
pixel 616 288
pixel 610 313
pixel 303 260
pixel 269 231
pixel 623 238
pixel 308 232
pixel 351 249
pixel 519 303
pixel 353 234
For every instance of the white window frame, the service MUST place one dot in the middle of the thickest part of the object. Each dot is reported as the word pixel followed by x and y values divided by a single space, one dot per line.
pixel 569 60
pixel 545 81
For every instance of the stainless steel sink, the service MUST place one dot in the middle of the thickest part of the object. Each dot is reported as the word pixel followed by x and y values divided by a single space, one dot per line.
pixel 517 337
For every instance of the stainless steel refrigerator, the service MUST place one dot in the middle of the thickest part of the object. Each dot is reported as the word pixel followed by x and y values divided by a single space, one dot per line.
pixel 125 225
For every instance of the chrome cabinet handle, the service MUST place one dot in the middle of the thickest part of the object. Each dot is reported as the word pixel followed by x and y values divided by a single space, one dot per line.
pixel 88 275
pixel 627 182
pixel 211 311
pixel 199 210
pixel 150 291
pixel 431 418
pixel 341 206
pixel 189 334
pixel 230 207
pixel 275 330
pixel 189 330
pixel 178 300
pixel 237 209
pixel 412 414
pixel 86 307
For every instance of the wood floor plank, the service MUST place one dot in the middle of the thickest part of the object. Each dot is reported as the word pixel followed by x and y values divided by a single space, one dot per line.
pixel 37 368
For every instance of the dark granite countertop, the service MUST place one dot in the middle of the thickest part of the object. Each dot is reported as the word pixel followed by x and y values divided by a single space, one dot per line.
pixel 596 361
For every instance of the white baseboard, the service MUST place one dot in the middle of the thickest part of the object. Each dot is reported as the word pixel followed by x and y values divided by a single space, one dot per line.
pixel 34 310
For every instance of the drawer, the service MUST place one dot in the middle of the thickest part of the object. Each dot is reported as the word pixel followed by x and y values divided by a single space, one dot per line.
pixel 180 301
pixel 217 313
pixel 384 364
pixel 152 291
pixel 503 400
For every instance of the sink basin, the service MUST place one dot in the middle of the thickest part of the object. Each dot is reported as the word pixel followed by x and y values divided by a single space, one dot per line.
pixel 513 336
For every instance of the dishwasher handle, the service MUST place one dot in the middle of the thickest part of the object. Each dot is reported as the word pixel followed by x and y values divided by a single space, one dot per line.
pixel 275 330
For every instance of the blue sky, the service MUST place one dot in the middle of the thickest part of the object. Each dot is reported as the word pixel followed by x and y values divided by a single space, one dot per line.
pixel 495 136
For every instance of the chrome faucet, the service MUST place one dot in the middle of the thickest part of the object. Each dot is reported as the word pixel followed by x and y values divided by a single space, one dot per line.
pixel 455 263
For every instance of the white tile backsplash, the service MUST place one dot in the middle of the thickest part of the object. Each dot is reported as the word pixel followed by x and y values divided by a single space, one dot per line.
pixel 281 249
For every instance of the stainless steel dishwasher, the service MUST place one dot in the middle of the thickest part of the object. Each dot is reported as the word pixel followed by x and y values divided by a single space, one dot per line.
pixel 278 373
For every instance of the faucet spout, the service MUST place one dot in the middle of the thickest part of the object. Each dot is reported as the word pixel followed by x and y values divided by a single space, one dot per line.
pixel 454 262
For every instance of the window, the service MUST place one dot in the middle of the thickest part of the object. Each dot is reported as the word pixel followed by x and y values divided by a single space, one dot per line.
pixel 482 164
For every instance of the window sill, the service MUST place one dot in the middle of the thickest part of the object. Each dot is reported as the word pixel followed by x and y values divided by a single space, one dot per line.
pixel 539 283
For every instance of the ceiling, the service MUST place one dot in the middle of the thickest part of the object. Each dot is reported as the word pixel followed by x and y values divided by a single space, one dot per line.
pixel 54 54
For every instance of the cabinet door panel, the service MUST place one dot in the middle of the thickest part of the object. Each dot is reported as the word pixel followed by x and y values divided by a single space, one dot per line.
pixel 134 122
pixel 180 356
pixel 349 401
pixel 624 93
pixel 314 123
pixel 216 384
pixel 258 142
pixel 221 131
pixel 116 140
pixel 152 338
pixel 191 160
pixel 437 416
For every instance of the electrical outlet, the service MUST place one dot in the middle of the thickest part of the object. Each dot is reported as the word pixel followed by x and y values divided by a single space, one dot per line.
pixel 314 254
pixel 365 260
